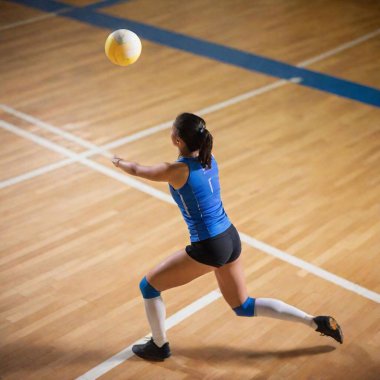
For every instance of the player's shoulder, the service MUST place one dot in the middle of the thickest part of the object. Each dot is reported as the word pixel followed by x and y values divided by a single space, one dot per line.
pixel 178 174
pixel 177 167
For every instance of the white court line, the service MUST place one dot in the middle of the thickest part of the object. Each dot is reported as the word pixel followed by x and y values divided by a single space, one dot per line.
pixel 33 19
pixel 36 172
pixel 202 112
pixel 311 268
pixel 94 149
pixel 50 128
pixel 339 49
pixel 294 261
pixel 172 321
pixel 150 131
pixel 126 353
pixel 45 16
pixel 103 149
pixel 91 164
pixel 343 283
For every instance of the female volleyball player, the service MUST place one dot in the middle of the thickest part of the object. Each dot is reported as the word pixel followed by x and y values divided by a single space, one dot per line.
pixel 215 244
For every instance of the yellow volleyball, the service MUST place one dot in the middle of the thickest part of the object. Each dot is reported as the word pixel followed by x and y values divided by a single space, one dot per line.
pixel 123 47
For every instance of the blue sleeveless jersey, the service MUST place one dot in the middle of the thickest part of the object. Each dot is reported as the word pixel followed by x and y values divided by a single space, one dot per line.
pixel 199 200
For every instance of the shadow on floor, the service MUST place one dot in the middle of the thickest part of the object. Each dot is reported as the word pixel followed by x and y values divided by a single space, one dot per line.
pixel 223 354
pixel 18 357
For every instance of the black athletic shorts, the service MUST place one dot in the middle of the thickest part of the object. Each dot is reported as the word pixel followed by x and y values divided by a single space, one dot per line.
pixel 218 250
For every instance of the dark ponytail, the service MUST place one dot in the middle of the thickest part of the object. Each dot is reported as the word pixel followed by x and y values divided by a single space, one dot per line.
pixel 192 130
pixel 205 149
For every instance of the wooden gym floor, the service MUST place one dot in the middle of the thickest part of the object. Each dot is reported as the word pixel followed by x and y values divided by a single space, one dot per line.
pixel 299 167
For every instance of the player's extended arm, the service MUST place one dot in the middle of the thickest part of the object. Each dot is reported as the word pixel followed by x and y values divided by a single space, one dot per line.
pixel 163 172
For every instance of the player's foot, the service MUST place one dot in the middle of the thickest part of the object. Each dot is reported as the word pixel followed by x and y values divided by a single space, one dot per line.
pixel 150 351
pixel 329 326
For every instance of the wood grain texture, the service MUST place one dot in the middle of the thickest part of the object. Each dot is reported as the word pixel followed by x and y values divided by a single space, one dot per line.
pixel 14 13
pixel 299 169
pixel 290 31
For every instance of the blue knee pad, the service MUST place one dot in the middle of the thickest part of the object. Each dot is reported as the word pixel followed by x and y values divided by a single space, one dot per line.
pixel 147 289
pixel 247 309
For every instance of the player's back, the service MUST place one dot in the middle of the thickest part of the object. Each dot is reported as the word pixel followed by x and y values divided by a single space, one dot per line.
pixel 200 201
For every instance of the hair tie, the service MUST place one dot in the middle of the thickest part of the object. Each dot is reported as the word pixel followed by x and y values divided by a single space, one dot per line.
pixel 201 130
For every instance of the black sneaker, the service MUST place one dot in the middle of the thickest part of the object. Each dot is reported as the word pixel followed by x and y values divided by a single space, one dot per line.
pixel 329 326
pixel 150 351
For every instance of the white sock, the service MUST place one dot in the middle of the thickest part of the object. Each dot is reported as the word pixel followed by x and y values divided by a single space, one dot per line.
pixel 156 313
pixel 272 308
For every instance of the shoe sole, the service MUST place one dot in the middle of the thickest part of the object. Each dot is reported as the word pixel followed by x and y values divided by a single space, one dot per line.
pixel 152 359
pixel 333 324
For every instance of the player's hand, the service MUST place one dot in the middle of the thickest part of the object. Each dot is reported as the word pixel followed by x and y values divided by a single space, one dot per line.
pixel 116 160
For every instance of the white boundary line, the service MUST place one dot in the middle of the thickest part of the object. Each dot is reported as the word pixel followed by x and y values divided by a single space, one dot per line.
pixel 211 297
pixel 84 161
pixel 48 15
pixel 126 353
pixel 172 321
pixel 202 112
pixel 27 21
pixel 311 268
pixel 50 128
pixel 343 283
pixel 339 49
pixel 34 19
pixel 149 131
pixel 104 149
pixel 37 172
pixel 206 300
